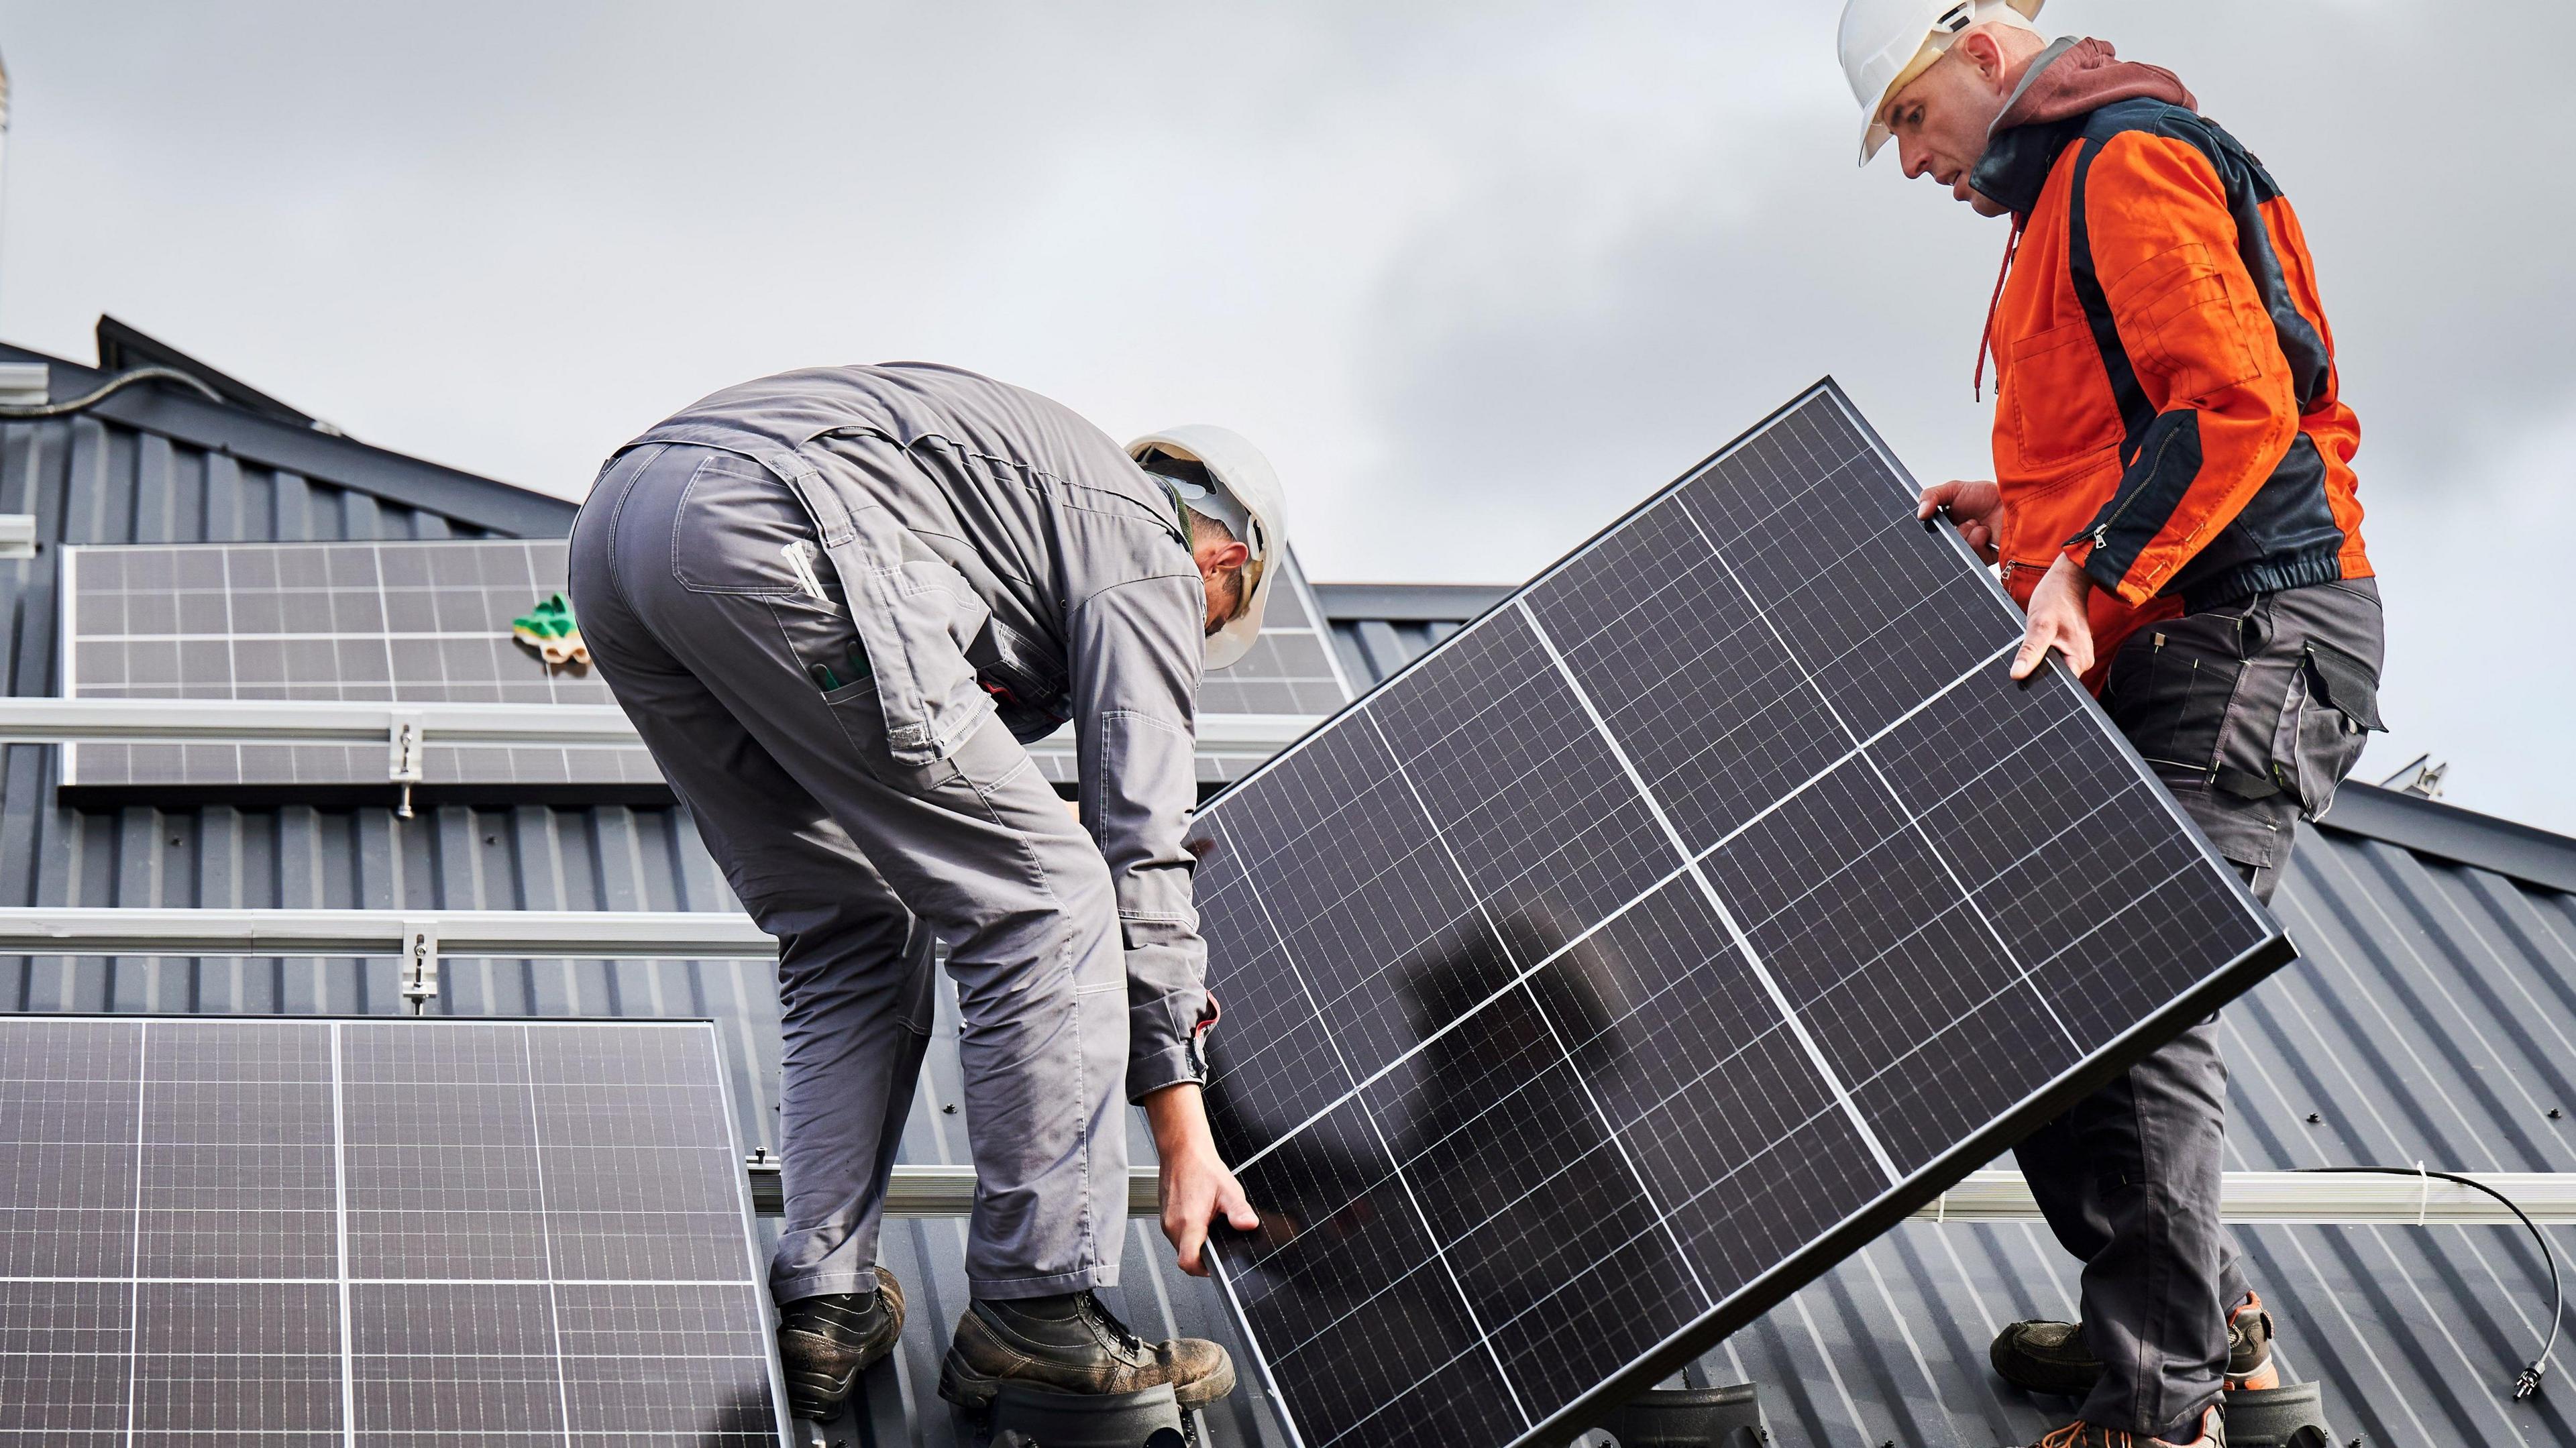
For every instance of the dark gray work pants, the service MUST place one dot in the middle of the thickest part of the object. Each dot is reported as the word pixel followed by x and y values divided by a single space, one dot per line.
pixel 707 634
pixel 2276 690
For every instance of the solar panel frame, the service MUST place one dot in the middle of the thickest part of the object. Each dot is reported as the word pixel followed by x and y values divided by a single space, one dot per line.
pixel 355 1372
pixel 1910 1189
pixel 428 623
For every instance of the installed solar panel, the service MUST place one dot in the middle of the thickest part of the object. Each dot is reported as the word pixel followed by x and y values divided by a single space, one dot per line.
pixel 429 623
pixel 1662 937
pixel 411 623
pixel 335 1232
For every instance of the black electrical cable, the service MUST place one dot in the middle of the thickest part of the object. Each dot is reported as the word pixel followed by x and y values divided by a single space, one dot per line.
pixel 2527 1382
pixel 104 390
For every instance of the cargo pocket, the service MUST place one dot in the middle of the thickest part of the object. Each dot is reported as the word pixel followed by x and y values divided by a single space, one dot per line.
pixel 2335 709
pixel 2169 690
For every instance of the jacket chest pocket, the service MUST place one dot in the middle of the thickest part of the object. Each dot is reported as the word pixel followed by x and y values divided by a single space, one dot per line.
pixel 2057 397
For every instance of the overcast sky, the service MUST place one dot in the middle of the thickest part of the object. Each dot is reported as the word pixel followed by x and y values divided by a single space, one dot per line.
pixel 1477 276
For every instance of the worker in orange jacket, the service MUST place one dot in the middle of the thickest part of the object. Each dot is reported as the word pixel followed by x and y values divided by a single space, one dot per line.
pixel 2173 505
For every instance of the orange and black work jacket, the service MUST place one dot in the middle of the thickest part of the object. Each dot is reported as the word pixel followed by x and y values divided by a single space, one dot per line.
pixel 2168 411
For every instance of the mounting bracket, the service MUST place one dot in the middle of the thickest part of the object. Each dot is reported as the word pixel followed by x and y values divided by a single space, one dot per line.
pixel 402 755
pixel 420 961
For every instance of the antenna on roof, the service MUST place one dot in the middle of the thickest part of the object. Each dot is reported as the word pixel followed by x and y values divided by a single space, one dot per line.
pixel 2422 777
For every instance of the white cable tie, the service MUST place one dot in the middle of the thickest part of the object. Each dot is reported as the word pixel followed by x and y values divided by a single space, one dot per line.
pixel 2424 1203
pixel 1941 1209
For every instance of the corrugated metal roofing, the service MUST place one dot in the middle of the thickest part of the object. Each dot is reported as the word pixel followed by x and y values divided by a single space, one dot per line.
pixel 2433 1017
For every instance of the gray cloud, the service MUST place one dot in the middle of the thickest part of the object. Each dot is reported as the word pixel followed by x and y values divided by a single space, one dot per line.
pixel 1478 275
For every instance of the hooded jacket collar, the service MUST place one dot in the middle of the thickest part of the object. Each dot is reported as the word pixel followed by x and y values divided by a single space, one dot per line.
pixel 2065 84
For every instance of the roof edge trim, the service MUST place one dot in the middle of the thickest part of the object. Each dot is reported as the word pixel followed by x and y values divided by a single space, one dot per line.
pixel 342 462
pixel 2461 836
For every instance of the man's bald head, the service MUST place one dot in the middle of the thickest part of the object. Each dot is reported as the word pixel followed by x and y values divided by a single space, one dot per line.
pixel 1941 119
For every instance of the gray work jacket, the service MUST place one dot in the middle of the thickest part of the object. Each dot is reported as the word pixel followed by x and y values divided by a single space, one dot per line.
pixel 1000 553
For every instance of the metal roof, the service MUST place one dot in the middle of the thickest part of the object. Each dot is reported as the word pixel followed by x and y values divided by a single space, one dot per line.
pixel 2433 1016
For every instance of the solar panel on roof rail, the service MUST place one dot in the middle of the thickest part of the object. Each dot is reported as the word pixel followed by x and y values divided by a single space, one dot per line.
pixel 402 622
pixel 1661 938
pixel 312 1231
pixel 430 623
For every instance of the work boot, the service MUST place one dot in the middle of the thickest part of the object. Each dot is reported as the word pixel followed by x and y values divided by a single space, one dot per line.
pixel 2050 1357
pixel 825 1342
pixel 1072 1344
pixel 2211 1433
pixel 2046 1357
pixel 2249 1348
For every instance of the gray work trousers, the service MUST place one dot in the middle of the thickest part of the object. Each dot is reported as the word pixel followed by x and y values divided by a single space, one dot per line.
pixel 712 639
pixel 2279 688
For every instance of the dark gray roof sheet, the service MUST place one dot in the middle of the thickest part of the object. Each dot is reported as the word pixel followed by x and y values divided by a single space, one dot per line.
pixel 2433 1017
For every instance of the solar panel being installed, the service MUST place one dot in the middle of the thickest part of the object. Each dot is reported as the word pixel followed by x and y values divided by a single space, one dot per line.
pixel 1662 937
pixel 300 1231
pixel 430 623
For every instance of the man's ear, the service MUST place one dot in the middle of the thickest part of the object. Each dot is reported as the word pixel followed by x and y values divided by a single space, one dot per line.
pixel 1984 54
pixel 1233 555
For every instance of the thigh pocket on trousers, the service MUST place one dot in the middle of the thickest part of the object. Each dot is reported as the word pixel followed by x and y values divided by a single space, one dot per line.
pixel 2334 707
pixel 2169 690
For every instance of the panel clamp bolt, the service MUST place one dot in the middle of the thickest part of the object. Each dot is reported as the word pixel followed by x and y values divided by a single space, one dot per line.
pixel 420 962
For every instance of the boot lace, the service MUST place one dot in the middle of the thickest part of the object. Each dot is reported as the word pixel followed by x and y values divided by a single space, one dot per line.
pixel 1093 1308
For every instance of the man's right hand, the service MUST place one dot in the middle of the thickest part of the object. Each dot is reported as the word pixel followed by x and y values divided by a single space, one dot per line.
pixel 1978 509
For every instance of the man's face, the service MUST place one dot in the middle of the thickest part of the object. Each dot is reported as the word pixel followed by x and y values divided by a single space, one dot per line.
pixel 1941 118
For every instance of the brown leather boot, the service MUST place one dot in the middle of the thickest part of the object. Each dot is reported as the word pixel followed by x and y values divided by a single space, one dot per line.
pixel 2050 1357
pixel 1072 1344
pixel 825 1342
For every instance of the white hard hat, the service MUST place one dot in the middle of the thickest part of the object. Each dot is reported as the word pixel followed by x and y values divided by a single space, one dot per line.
pixel 1250 504
pixel 1885 44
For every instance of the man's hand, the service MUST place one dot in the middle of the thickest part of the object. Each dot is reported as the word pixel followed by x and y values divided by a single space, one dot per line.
pixel 1978 509
pixel 1196 1186
pixel 2058 620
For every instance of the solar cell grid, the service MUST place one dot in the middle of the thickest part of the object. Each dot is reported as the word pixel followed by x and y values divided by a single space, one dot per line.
pixel 430 623
pixel 370 1232
pixel 1662 936
pixel 398 622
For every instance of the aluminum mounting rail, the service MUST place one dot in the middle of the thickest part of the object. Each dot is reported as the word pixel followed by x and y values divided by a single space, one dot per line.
pixel 557 726
pixel 2310 1199
pixel 507 934
pixel 2279 1198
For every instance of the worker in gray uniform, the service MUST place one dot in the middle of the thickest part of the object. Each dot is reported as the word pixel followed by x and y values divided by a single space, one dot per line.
pixel 837 603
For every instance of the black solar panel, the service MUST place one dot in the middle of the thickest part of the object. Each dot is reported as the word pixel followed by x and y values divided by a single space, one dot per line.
pixel 308 1232
pixel 1662 937
pixel 430 623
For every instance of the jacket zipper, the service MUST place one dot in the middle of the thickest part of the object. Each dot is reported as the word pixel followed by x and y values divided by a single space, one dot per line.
pixel 2100 533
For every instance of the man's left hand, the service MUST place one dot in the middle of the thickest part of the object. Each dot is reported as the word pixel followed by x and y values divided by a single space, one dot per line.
pixel 2059 620
pixel 1196 1186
